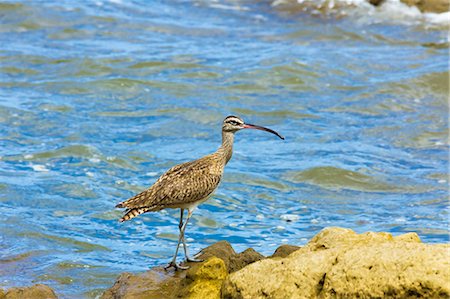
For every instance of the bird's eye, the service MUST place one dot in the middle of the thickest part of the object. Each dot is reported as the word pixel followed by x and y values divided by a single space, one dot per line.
pixel 232 122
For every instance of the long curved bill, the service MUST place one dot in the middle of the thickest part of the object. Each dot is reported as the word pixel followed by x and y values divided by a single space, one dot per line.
pixel 250 126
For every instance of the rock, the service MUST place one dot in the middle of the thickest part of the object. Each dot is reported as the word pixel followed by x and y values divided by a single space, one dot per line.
pixel 232 260
pixel 202 280
pixel 340 8
pixel 37 291
pixel 205 281
pixel 221 249
pixel 284 250
pixel 156 283
pixel 243 259
pixel 338 263
pixel 376 2
pixel 436 6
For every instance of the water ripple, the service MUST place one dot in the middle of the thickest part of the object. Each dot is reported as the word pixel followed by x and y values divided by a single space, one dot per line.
pixel 98 99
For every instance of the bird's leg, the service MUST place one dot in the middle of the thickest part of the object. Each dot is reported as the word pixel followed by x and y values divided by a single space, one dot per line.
pixel 188 259
pixel 173 262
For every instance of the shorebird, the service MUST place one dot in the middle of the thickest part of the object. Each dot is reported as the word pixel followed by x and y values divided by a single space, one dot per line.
pixel 187 185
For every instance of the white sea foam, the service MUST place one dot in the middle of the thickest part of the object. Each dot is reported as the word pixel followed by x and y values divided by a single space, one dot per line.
pixel 389 11
pixel 151 173
pixel 95 160
pixel 40 168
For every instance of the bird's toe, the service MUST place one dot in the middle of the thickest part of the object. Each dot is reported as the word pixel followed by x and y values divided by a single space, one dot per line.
pixel 193 260
pixel 175 266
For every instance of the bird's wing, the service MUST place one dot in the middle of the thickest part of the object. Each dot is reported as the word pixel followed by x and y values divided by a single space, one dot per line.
pixel 182 184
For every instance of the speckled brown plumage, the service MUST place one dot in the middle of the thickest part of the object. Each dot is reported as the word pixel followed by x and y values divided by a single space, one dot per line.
pixel 184 185
pixel 187 185
pixel 181 186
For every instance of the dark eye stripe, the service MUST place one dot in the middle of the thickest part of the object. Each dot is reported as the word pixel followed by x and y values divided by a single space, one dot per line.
pixel 233 122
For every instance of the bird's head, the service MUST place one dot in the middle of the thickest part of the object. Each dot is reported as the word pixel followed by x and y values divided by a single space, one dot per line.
pixel 233 124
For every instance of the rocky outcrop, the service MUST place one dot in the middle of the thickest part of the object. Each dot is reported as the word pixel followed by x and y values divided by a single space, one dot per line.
pixel 284 250
pixel 205 281
pixel 233 261
pixel 436 6
pixel 340 7
pixel 151 284
pixel 338 263
pixel 202 280
pixel 37 291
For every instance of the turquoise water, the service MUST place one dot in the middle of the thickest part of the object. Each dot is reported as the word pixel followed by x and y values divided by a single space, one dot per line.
pixel 97 99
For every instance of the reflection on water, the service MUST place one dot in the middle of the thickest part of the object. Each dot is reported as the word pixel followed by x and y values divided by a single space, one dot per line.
pixel 99 99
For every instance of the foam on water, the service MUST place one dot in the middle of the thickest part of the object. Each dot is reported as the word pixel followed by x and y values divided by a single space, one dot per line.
pixel 389 11
pixel 97 99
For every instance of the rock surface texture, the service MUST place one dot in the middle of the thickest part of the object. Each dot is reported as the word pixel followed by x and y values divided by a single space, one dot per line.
pixel 436 6
pixel 37 291
pixel 202 280
pixel 338 263
pixel 335 6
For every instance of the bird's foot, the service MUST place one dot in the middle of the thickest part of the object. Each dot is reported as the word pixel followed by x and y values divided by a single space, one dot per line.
pixel 193 260
pixel 175 266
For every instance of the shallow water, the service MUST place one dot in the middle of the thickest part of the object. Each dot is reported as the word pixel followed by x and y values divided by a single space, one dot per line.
pixel 98 99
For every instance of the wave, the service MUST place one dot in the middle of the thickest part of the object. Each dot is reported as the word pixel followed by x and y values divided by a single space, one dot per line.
pixel 372 11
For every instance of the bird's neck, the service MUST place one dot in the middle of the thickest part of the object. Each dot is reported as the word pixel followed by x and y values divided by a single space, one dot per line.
pixel 226 149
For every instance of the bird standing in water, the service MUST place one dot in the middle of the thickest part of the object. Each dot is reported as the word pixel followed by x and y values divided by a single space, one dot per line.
pixel 187 185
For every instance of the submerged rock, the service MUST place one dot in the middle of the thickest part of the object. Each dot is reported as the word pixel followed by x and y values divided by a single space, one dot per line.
pixel 340 263
pixel 37 291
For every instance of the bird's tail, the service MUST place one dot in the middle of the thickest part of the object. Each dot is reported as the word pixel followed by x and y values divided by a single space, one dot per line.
pixel 131 213
pixel 133 201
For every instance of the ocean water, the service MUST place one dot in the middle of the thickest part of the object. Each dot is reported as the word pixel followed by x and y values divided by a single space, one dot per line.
pixel 99 98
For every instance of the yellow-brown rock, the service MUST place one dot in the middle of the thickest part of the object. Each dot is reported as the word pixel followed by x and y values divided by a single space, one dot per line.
pixel 156 283
pixel 202 280
pixel 206 281
pixel 436 6
pixel 37 291
pixel 284 250
pixel 338 263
